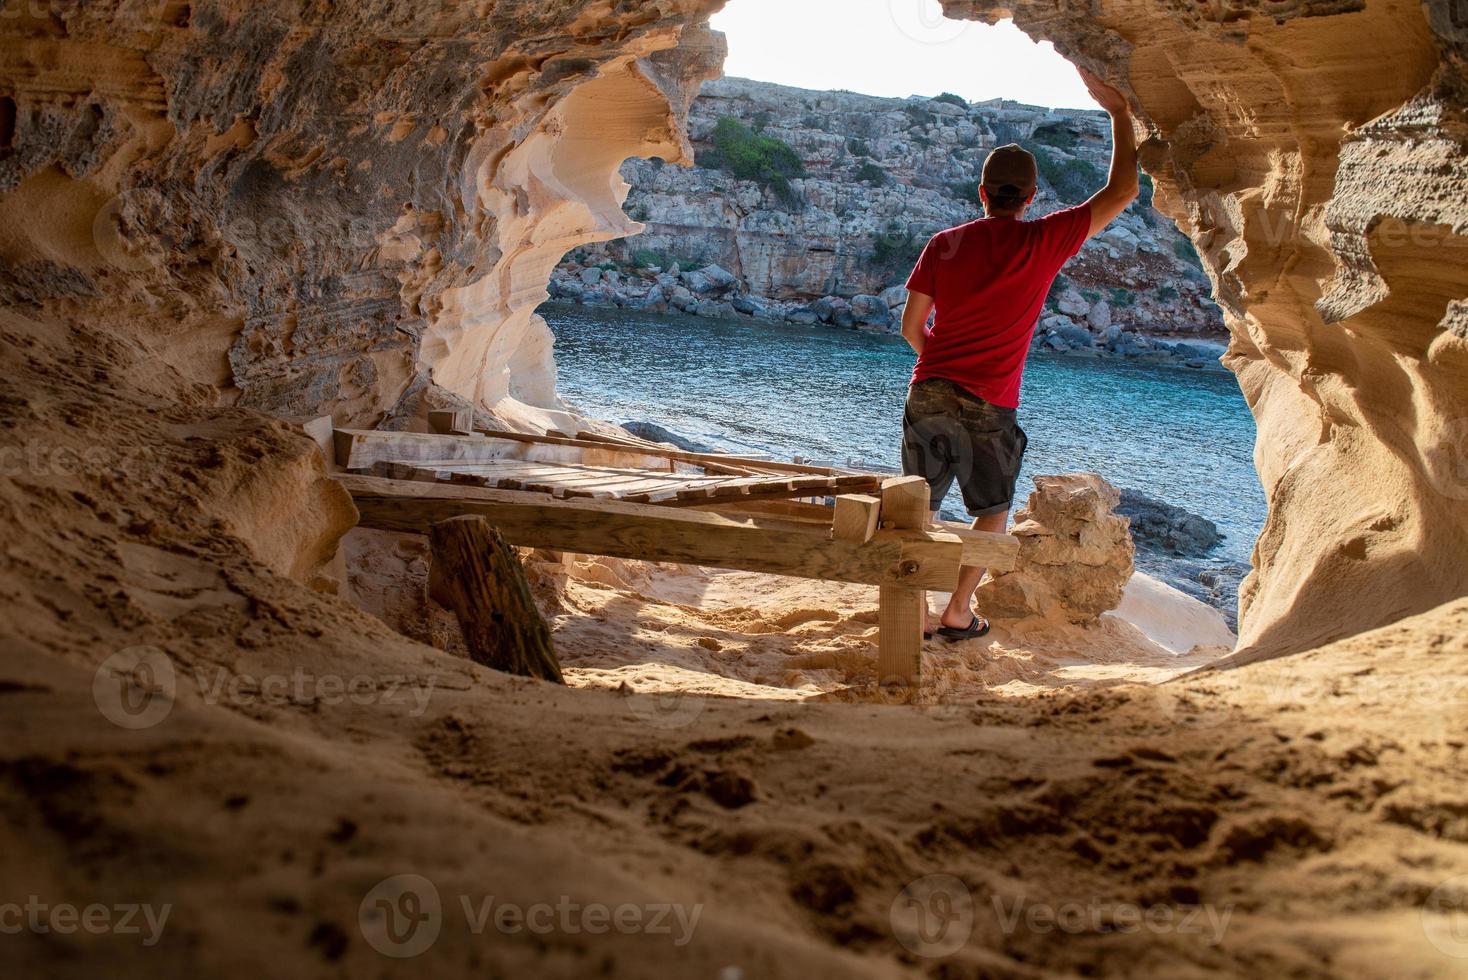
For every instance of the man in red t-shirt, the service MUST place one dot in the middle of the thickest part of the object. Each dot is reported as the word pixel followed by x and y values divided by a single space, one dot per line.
pixel 988 281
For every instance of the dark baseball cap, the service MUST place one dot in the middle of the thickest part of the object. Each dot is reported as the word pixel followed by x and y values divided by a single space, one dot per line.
pixel 1010 169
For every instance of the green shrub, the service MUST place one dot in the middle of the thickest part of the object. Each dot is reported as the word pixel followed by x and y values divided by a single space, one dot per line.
pixel 966 191
pixel 1058 135
pixel 1073 180
pixel 1183 249
pixel 747 155
pixel 762 119
pixel 870 173
pixel 813 121
pixel 858 147
pixel 921 140
pixel 1122 297
pixel 1167 294
pixel 921 115
pixel 1091 296
pixel 896 248
pixel 952 99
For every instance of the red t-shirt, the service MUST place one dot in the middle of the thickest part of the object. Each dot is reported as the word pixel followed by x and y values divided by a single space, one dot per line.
pixel 989 279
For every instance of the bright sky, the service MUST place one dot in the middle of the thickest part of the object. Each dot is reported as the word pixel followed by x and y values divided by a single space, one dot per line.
pixel 893 48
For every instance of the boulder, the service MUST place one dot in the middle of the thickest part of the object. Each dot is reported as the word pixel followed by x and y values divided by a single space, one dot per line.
pixel 804 318
pixel 1162 527
pixel 1072 303
pixel 656 433
pixel 680 298
pixel 1099 316
pixel 1075 555
pixel 1067 332
pixel 709 279
pixel 870 310
pixel 750 305
pixel 654 302
pixel 590 276
pixel 824 309
pixel 715 309
pixel 567 289
pixel 894 296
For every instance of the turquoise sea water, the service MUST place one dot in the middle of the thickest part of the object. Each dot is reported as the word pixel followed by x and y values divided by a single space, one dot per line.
pixel 1180 435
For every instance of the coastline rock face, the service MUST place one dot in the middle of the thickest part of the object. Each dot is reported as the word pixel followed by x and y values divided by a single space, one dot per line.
pixel 882 175
pixel 1075 555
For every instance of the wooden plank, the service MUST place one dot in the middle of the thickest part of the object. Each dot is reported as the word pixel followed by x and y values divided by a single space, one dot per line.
pixel 855 517
pixel 674 454
pixel 459 421
pixel 915 559
pixel 905 501
pixel 900 609
pixel 984 549
pixel 793 510
pixel 358 449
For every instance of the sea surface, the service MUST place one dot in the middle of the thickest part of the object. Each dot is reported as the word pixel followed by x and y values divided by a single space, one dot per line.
pixel 1183 436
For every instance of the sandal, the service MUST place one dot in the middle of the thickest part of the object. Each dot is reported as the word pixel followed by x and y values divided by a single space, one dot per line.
pixel 973 632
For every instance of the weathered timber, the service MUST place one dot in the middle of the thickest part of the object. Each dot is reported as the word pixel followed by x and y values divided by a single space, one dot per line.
pixel 479 577
pixel 855 517
pixel 916 559
pixel 900 608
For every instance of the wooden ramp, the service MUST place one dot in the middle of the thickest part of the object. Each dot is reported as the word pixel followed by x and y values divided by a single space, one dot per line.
pixel 705 509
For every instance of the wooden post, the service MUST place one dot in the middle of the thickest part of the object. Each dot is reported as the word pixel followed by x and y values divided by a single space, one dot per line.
pixel 900 609
pixel 480 578
pixel 855 517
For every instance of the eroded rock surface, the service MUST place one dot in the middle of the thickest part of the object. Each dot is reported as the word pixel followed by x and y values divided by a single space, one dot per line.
pixel 1075 553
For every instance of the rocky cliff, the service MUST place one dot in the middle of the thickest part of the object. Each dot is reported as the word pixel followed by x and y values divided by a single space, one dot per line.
pixel 880 177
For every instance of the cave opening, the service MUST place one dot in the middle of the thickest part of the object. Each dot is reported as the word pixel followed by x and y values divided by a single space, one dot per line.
pixel 765 354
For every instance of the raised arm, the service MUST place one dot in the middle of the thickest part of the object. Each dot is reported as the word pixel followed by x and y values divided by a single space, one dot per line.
pixel 1121 187
pixel 915 319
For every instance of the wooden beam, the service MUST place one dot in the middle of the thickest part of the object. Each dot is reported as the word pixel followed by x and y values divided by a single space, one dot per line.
pixel 458 421
pixel 855 517
pixel 905 502
pixel 984 549
pixel 915 559
pixel 900 608
pixel 477 576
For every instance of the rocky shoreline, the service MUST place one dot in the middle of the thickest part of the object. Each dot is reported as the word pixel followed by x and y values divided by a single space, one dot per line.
pixel 712 292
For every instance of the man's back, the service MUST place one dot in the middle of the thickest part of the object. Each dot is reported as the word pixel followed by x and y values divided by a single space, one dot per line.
pixel 989 279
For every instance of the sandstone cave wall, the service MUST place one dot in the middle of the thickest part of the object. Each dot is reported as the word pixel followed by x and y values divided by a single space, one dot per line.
pixel 353 209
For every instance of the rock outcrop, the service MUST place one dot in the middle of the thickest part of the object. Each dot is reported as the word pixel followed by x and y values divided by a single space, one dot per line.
pixel 1075 555
pixel 882 175
pixel 355 211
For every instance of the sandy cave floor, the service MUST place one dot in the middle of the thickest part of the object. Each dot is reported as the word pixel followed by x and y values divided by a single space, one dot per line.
pixel 1318 802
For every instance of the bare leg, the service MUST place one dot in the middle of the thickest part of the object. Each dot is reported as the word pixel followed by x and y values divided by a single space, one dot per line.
pixel 959 613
